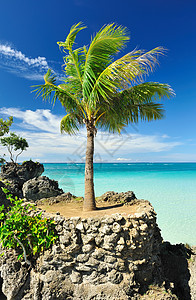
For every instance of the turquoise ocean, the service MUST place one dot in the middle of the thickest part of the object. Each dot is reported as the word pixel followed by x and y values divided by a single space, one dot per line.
pixel 170 187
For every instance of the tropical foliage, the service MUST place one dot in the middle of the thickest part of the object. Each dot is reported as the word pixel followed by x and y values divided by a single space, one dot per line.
pixel 24 230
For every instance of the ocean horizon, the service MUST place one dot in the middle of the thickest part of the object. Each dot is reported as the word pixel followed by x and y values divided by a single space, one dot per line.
pixel 169 186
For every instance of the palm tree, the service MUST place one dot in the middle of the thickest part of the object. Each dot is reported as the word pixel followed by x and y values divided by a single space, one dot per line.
pixel 102 93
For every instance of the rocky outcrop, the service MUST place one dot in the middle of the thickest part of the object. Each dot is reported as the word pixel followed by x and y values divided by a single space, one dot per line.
pixel 124 198
pixel 16 175
pixel 21 173
pixel 119 256
pixel 111 257
pixel 41 187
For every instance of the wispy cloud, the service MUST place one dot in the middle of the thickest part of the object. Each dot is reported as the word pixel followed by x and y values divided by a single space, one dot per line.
pixel 41 128
pixel 13 53
pixel 16 62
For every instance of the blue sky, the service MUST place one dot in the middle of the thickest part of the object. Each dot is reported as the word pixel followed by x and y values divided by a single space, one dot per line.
pixel 29 31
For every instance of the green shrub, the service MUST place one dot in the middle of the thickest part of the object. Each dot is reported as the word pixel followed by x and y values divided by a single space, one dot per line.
pixel 24 229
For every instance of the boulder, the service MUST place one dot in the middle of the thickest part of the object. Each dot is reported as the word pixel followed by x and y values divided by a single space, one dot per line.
pixel 118 197
pixel 41 187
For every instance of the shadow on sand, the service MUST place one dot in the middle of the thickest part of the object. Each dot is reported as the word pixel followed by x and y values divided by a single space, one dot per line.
pixel 109 207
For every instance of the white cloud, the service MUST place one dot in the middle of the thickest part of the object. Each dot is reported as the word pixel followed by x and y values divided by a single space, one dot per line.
pixel 13 53
pixel 133 143
pixel 123 159
pixel 41 128
pixel 16 62
pixel 41 119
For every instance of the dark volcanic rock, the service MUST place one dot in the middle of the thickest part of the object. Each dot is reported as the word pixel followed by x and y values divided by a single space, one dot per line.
pixel 14 188
pixel 174 260
pixel 41 187
pixel 16 175
pixel 21 173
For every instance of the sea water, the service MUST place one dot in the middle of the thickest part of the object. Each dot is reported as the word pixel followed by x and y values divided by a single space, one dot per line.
pixel 170 187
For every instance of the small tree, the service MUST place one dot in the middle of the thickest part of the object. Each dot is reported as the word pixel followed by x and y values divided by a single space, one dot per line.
pixel 4 128
pixel 14 143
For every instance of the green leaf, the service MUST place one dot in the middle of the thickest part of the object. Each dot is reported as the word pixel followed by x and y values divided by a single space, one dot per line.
pixel 71 36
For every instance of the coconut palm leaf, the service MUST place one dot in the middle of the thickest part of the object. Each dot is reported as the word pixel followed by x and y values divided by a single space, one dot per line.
pixel 106 43
pixel 147 92
pixel 134 104
pixel 70 39
pixel 124 72
pixel 71 123
pixel 74 61
pixel 51 92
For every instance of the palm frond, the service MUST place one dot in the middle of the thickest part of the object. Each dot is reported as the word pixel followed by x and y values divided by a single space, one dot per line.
pixel 51 92
pixel 147 112
pixel 134 104
pixel 140 102
pixel 110 120
pixel 68 44
pixel 45 90
pixel 106 43
pixel 74 66
pixel 50 77
pixel 125 72
pixel 148 91
pixel 71 123
pixel 74 61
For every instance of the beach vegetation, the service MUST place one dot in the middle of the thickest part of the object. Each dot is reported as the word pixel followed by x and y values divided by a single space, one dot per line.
pixel 25 230
pixel 101 92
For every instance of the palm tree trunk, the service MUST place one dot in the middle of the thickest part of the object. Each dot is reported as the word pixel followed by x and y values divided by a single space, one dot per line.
pixel 89 197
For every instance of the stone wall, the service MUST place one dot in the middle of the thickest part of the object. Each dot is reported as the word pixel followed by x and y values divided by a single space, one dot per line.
pixel 110 257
